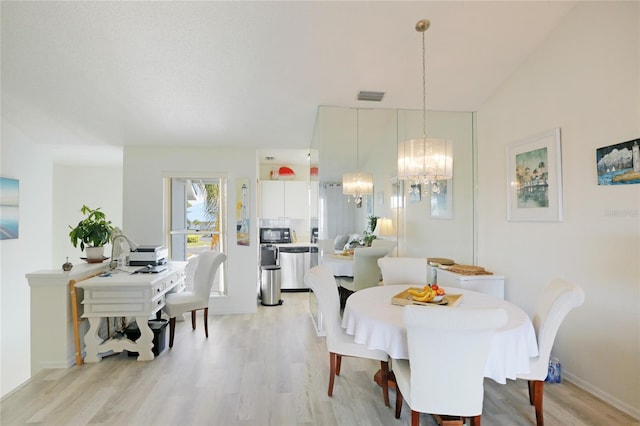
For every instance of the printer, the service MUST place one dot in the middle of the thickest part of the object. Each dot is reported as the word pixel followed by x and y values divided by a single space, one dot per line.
pixel 149 255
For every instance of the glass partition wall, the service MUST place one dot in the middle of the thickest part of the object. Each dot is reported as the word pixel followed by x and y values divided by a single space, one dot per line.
pixel 425 223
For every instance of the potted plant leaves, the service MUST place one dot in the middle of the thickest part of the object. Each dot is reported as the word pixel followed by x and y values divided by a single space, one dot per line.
pixel 92 232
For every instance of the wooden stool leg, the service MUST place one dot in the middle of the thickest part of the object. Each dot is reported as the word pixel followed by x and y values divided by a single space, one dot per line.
pixel 193 320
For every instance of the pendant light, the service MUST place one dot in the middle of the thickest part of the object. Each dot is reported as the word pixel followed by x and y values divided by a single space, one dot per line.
pixel 425 160
pixel 358 183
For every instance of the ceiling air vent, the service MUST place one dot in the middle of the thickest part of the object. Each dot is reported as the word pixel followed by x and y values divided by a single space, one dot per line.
pixel 364 95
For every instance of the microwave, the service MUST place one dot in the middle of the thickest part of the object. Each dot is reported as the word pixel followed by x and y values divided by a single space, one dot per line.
pixel 275 235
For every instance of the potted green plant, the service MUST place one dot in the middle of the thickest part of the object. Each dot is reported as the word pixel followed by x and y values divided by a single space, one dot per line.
pixel 92 232
pixel 367 236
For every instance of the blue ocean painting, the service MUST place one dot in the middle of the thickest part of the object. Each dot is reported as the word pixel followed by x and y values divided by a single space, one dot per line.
pixel 9 211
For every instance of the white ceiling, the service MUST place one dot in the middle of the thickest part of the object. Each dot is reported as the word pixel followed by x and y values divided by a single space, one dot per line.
pixel 108 74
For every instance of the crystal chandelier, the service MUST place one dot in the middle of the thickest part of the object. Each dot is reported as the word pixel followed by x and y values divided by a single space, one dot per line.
pixel 425 160
pixel 358 183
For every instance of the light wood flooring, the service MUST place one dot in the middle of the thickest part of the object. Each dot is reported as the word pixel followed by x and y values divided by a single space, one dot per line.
pixel 263 369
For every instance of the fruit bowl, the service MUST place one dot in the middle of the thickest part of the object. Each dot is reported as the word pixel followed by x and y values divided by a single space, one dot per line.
pixel 438 298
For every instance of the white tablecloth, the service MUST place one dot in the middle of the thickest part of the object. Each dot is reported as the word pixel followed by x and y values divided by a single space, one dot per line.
pixel 370 317
pixel 341 266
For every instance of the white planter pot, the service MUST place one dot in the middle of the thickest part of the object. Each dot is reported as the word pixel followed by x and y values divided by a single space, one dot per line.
pixel 94 254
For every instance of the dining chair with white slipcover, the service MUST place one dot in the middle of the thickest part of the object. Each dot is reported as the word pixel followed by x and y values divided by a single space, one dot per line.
pixel 448 351
pixel 403 270
pixel 390 245
pixel 557 299
pixel 366 272
pixel 339 343
pixel 197 298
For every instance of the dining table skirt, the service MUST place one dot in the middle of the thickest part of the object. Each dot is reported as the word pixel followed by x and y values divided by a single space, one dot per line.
pixel 371 318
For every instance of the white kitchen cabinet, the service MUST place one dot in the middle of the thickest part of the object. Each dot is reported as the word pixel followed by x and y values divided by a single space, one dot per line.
pixel 271 199
pixel 487 284
pixel 280 199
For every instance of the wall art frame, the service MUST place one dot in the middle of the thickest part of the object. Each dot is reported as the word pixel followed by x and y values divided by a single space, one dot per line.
pixel 415 193
pixel 242 212
pixel 534 178
pixel 9 208
pixel 619 164
pixel 441 199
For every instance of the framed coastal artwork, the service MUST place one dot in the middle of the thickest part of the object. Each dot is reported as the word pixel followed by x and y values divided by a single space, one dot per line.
pixel 441 194
pixel 242 212
pixel 415 193
pixel 619 164
pixel 534 186
pixel 9 208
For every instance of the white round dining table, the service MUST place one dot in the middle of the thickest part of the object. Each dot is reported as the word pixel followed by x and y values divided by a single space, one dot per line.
pixel 372 320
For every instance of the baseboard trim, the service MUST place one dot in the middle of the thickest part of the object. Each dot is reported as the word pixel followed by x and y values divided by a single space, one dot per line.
pixel 626 408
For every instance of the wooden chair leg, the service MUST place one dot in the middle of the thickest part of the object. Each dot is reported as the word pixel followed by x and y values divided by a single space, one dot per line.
pixel 384 367
pixel 538 390
pixel 338 364
pixel 332 372
pixel 172 330
pixel 475 420
pixel 206 322
pixel 398 402
pixel 193 320
pixel 415 418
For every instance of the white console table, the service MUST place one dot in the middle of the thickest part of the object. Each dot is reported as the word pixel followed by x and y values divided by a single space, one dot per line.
pixel 123 294
pixel 488 284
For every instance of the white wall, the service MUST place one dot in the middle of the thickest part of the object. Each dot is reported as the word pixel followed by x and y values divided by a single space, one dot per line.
pixel 584 79
pixel 50 200
pixel 143 207
pixel 21 159
pixel 73 187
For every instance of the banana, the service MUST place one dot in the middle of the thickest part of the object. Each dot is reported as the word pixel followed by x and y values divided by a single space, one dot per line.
pixel 428 297
pixel 417 293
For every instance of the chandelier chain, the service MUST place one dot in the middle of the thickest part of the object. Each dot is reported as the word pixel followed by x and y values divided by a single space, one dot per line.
pixel 424 90
pixel 357 140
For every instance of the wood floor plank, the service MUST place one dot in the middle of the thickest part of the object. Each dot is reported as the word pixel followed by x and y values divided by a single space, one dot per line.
pixel 264 369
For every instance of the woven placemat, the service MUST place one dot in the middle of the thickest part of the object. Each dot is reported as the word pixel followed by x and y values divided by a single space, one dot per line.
pixel 469 270
pixel 440 261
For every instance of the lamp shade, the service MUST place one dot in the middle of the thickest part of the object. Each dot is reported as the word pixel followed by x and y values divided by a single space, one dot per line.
pixel 425 159
pixel 385 227
pixel 357 184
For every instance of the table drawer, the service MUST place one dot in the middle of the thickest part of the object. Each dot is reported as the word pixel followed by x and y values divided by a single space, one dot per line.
pixel 121 308
pixel 116 293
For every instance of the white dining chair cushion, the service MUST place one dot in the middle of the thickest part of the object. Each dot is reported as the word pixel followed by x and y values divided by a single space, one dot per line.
pixel 448 350
pixel 403 270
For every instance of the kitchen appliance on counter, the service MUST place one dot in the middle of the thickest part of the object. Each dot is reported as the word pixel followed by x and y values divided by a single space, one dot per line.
pixel 276 248
pixel 275 235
